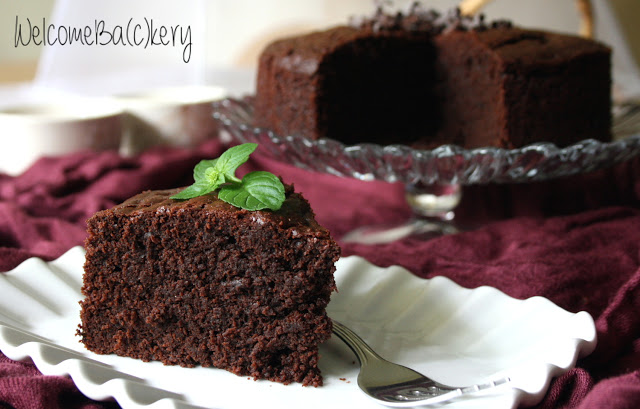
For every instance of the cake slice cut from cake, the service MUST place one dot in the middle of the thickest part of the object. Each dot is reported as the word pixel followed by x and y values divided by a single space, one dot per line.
pixel 202 282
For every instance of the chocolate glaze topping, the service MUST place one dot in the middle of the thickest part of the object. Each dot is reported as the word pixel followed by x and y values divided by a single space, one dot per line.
pixel 295 211
pixel 419 18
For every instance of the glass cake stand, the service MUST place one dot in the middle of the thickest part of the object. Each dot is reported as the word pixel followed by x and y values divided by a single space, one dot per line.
pixel 433 178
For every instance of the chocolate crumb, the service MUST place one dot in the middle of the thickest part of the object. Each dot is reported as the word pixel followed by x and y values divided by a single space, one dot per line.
pixel 421 19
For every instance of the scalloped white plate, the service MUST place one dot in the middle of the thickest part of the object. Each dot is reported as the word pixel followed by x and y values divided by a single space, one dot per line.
pixel 456 335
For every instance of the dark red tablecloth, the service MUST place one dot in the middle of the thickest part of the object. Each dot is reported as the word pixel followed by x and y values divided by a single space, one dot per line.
pixel 575 241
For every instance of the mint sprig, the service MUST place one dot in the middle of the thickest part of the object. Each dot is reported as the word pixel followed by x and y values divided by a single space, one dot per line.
pixel 258 190
pixel 255 191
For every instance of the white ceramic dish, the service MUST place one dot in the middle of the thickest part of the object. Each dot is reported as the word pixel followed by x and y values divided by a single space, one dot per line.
pixel 456 335
pixel 31 131
pixel 177 116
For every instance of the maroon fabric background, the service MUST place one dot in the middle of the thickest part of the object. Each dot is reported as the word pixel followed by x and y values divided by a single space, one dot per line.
pixel 575 241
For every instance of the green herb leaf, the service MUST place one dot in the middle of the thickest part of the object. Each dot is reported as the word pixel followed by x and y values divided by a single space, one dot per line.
pixel 199 172
pixel 230 160
pixel 210 174
pixel 195 190
pixel 258 190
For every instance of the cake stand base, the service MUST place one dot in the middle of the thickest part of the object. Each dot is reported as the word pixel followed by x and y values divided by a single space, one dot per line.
pixel 433 216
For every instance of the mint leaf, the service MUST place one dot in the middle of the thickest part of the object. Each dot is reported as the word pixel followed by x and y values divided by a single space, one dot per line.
pixel 214 178
pixel 210 174
pixel 199 172
pixel 206 180
pixel 258 190
pixel 195 190
pixel 230 160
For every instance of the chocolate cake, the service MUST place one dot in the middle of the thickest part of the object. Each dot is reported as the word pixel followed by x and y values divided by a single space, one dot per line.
pixel 427 79
pixel 201 282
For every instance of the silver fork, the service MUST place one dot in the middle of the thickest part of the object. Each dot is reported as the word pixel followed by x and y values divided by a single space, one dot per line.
pixel 396 385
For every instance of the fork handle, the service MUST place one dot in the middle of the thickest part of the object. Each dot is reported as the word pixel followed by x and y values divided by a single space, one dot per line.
pixel 363 351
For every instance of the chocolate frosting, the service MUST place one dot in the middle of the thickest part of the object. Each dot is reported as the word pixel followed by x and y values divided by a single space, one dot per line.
pixel 295 212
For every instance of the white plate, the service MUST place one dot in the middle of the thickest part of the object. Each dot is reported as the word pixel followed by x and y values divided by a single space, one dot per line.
pixel 457 335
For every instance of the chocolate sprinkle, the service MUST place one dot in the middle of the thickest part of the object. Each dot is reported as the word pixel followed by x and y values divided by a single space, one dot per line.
pixel 420 19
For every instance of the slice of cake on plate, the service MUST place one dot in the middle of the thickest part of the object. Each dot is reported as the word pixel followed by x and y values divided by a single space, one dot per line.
pixel 200 281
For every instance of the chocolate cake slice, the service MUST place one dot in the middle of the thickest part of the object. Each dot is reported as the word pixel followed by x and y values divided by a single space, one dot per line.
pixel 201 282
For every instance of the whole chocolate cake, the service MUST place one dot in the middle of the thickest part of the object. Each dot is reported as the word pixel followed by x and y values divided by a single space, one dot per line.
pixel 202 282
pixel 426 79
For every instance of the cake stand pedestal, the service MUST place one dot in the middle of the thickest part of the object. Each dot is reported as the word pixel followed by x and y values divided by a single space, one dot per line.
pixel 433 215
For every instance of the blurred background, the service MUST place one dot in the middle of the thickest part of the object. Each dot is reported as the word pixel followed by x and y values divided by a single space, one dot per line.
pixel 228 35
pixel 160 91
